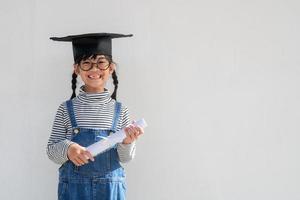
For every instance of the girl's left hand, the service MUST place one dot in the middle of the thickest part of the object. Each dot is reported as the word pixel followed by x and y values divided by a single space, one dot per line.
pixel 132 133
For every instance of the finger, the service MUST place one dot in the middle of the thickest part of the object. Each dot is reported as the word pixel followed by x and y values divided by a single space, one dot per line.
pixel 141 130
pixel 84 155
pixel 90 156
pixel 83 158
pixel 77 162
pixel 81 162
pixel 130 126
pixel 137 130
pixel 132 136
pixel 131 129
pixel 134 131
pixel 127 132
pixel 136 134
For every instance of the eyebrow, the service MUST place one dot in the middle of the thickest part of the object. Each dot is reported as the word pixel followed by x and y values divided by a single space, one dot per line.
pixel 97 58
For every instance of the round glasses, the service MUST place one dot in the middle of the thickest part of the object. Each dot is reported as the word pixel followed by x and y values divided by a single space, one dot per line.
pixel 87 65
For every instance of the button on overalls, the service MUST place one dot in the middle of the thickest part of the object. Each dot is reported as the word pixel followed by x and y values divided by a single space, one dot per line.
pixel 103 179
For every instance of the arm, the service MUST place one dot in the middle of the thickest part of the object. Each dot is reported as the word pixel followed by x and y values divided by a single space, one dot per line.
pixel 58 142
pixel 126 151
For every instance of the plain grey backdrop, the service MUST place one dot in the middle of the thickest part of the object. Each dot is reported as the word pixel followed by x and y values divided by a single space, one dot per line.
pixel 217 82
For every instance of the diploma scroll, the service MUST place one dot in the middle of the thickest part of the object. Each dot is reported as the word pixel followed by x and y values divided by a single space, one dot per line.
pixel 111 140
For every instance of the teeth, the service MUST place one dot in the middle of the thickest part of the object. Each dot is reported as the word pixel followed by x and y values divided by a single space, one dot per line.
pixel 95 76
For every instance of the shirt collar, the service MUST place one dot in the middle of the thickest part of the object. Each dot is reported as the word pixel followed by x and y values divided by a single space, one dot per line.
pixel 93 98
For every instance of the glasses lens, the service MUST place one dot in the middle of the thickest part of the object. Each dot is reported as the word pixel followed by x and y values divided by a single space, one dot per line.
pixel 86 65
pixel 103 65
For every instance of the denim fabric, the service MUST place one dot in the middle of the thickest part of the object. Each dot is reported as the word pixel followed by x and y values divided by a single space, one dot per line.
pixel 103 179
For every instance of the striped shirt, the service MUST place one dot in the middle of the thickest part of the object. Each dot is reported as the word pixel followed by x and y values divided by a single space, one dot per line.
pixel 91 110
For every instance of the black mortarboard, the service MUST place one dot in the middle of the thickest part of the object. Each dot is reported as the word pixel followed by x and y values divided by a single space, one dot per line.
pixel 90 43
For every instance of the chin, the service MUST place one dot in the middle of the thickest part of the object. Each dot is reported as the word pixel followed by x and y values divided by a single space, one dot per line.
pixel 94 86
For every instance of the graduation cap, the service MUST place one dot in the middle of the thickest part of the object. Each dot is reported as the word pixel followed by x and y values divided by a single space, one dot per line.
pixel 90 43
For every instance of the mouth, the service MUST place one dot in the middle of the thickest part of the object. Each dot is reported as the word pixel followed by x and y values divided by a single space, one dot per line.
pixel 94 76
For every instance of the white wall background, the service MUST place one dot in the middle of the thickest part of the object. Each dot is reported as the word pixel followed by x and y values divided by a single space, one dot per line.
pixel 217 81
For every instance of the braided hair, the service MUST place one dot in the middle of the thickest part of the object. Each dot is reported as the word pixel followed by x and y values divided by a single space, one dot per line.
pixel 114 76
pixel 74 81
pixel 115 82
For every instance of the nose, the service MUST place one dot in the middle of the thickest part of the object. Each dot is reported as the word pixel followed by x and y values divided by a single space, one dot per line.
pixel 94 66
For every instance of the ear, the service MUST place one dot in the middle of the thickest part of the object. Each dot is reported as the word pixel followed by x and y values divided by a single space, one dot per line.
pixel 76 69
pixel 112 68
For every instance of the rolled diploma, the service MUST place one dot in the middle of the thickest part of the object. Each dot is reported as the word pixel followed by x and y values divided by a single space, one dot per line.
pixel 111 140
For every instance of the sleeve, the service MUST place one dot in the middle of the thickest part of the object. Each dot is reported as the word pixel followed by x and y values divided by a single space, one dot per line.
pixel 58 143
pixel 126 151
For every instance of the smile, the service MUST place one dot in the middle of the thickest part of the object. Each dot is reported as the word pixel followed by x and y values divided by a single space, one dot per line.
pixel 94 76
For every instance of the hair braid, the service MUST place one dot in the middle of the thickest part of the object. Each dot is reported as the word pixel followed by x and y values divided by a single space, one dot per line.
pixel 74 81
pixel 115 82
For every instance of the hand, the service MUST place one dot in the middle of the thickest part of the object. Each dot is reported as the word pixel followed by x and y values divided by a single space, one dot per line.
pixel 79 155
pixel 132 133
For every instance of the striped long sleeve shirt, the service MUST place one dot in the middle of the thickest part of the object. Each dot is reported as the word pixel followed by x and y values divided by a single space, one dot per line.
pixel 92 110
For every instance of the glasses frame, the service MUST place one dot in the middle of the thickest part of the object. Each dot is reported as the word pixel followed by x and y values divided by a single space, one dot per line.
pixel 92 65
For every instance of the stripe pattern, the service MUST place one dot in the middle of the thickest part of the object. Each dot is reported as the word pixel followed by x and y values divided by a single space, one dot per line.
pixel 92 110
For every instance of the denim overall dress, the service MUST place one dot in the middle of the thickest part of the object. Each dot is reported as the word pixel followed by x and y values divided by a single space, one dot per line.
pixel 103 179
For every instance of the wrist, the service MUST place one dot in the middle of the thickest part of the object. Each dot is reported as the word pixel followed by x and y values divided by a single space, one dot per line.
pixel 68 149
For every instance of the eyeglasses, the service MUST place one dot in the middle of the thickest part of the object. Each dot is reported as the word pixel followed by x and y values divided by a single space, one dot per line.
pixel 87 65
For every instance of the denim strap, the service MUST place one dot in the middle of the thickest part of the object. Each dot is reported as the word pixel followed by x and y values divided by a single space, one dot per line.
pixel 116 118
pixel 71 113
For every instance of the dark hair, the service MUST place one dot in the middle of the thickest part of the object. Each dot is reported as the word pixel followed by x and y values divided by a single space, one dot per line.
pixel 93 56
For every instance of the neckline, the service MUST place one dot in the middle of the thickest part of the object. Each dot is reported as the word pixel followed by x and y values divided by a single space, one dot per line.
pixel 97 98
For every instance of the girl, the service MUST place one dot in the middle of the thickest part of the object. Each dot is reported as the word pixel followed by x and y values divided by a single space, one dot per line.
pixel 88 118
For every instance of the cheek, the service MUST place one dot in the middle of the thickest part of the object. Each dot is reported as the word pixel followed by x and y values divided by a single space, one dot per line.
pixel 106 75
pixel 83 77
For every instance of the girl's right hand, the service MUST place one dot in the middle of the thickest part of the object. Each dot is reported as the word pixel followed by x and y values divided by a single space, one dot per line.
pixel 79 155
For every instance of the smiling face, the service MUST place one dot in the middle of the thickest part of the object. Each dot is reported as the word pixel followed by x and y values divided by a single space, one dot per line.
pixel 94 79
